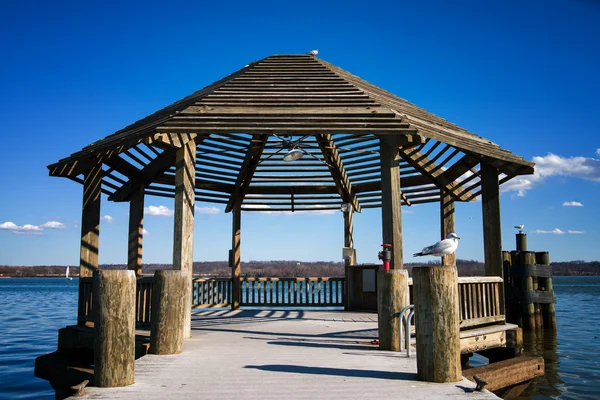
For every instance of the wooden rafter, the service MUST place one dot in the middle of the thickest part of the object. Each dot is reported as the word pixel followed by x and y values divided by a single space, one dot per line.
pixel 336 168
pixel 247 170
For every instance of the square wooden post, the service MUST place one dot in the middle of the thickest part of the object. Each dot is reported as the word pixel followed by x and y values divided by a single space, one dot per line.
pixel 90 237
pixel 447 223
pixel 492 230
pixel 136 229
pixel 349 290
pixel 236 268
pixel 391 213
pixel 183 238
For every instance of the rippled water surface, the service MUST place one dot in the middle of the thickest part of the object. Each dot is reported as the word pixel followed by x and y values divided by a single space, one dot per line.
pixel 33 309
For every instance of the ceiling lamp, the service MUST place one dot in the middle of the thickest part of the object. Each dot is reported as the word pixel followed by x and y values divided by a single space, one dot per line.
pixel 293 155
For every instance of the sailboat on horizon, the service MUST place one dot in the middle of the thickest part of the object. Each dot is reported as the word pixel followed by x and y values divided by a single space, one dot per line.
pixel 67 274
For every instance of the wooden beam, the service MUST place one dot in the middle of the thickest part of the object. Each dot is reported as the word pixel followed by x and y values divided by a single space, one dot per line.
pixel 336 168
pixel 447 223
pixel 236 264
pixel 90 221
pixel 492 230
pixel 177 140
pixel 183 237
pixel 247 170
pixel 136 229
pixel 507 373
pixel 154 169
pixel 391 212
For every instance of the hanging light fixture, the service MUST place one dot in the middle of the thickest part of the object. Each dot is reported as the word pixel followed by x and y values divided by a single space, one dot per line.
pixel 293 154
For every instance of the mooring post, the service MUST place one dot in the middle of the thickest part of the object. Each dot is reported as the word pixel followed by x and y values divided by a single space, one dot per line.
pixel 528 258
pixel 392 297
pixel 168 310
pixel 114 327
pixel 435 294
pixel 548 313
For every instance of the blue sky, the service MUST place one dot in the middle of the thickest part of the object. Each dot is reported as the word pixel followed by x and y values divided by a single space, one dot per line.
pixel 523 74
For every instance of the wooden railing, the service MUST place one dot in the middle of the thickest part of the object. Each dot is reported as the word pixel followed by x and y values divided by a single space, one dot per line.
pixel 293 292
pixel 143 301
pixel 211 292
pixel 479 300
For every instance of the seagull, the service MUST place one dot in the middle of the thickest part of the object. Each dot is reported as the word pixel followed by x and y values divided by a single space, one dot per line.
pixel 313 52
pixel 520 227
pixel 441 248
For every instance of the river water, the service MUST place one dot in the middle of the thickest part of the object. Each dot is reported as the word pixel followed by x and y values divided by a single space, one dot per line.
pixel 33 309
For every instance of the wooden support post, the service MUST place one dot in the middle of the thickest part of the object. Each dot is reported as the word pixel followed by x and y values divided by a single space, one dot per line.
pixel 528 309
pixel 492 230
pixel 517 284
pixel 183 238
pixel 90 235
pixel 548 312
pixel 349 243
pixel 168 308
pixel 508 285
pixel 447 223
pixel 114 327
pixel 392 297
pixel 391 199
pixel 236 264
pixel 435 294
pixel 136 229
pixel 521 241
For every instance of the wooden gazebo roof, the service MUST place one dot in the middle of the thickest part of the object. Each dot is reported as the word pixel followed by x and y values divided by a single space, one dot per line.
pixel 240 123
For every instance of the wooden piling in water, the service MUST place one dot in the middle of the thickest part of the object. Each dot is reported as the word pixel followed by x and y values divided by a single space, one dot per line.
pixel 392 297
pixel 435 293
pixel 548 312
pixel 529 321
pixel 114 327
pixel 168 310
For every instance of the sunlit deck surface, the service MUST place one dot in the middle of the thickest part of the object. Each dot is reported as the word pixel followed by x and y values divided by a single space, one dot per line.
pixel 258 354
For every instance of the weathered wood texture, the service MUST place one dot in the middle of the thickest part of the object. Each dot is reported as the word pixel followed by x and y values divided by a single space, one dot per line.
pixel 349 243
pixel 183 240
pixel 492 230
pixel 521 239
pixel 392 297
pixel 437 323
pixel 528 307
pixel 136 231
pixel 114 327
pixel 236 263
pixel 168 309
pixel 548 311
pixel 447 223
pixel 391 213
pixel 507 373
pixel 90 222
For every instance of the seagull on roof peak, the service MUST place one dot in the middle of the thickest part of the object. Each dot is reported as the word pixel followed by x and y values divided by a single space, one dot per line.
pixel 313 52
pixel 441 248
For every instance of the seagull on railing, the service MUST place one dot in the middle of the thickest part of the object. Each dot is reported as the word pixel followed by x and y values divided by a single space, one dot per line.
pixel 441 248
pixel 520 227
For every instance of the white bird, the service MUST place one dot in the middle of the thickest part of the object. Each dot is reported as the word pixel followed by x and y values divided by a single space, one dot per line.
pixel 520 227
pixel 441 248
pixel 313 52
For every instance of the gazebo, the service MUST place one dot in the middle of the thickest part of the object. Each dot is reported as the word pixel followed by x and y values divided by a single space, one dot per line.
pixel 290 133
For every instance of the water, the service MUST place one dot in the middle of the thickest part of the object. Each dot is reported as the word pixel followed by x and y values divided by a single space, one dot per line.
pixel 33 309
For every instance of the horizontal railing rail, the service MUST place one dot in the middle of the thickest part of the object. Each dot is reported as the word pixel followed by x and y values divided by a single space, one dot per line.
pixel 479 300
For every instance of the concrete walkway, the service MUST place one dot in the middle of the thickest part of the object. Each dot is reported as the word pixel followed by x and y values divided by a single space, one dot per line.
pixel 282 355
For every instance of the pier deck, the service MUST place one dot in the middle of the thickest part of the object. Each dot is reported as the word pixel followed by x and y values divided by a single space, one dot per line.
pixel 282 355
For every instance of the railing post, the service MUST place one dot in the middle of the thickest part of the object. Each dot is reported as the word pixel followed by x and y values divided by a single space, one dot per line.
pixel 168 308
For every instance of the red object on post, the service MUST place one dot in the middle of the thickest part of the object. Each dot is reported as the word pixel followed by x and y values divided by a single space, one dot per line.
pixel 386 255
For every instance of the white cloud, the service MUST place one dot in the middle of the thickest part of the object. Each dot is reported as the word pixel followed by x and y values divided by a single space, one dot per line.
pixel 159 211
pixel 8 225
pixel 554 165
pixel 108 218
pixel 26 229
pixel 53 225
pixel 145 232
pixel 557 231
pixel 572 204
pixel 207 210
pixel 554 231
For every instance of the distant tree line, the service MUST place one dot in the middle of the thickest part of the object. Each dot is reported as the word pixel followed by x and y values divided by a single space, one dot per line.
pixel 277 268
